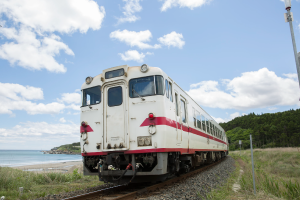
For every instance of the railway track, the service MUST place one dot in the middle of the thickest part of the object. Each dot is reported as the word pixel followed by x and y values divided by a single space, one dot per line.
pixel 131 191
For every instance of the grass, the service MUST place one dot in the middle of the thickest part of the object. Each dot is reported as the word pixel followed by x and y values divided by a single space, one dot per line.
pixel 39 185
pixel 277 175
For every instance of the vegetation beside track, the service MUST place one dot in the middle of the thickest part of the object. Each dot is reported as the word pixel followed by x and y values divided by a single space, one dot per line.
pixel 277 175
pixel 281 129
pixel 41 184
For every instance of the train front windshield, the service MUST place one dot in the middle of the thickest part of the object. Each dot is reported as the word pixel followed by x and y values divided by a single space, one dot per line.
pixel 91 96
pixel 146 86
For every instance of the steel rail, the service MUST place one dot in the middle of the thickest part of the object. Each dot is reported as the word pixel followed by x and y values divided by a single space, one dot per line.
pixel 148 189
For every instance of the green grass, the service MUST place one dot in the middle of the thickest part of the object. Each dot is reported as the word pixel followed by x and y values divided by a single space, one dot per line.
pixel 39 185
pixel 277 176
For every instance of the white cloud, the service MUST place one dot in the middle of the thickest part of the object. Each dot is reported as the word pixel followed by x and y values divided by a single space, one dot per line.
pixel 29 52
pixel 256 89
pixel 39 129
pixel 31 43
pixel 62 120
pixel 18 92
pixel 131 7
pixel 132 55
pixel 291 75
pixel 234 115
pixel 272 108
pixel 219 119
pixel 133 38
pixel 172 39
pixel 64 16
pixel 191 4
pixel 38 135
pixel 73 106
pixel 231 117
pixel 70 98
pixel 17 97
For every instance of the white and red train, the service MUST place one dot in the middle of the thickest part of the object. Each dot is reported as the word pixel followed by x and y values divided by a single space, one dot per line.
pixel 138 125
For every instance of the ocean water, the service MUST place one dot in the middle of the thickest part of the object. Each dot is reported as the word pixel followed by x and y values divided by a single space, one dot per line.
pixel 14 158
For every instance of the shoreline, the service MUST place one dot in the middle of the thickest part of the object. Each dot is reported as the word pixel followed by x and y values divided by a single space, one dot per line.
pixel 60 167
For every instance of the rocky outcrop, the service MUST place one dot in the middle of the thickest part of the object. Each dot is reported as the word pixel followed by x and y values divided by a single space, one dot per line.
pixel 57 151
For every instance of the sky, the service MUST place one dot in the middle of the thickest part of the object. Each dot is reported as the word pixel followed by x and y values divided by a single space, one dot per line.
pixel 232 57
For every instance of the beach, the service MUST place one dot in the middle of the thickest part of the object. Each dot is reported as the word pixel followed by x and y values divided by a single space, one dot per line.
pixel 62 167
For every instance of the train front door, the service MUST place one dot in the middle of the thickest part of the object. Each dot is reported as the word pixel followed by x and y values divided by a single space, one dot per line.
pixel 115 123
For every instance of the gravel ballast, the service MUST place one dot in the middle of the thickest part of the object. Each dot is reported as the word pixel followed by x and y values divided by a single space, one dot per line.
pixel 201 183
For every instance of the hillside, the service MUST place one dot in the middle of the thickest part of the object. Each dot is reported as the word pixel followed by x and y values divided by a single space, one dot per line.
pixel 280 129
pixel 73 148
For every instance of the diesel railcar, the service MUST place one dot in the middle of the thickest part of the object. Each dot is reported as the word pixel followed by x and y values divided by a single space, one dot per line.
pixel 138 125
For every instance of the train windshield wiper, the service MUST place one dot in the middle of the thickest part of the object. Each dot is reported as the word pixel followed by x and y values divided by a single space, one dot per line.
pixel 138 94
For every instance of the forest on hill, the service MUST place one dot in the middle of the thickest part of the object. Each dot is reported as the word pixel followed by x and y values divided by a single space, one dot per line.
pixel 280 129
pixel 74 147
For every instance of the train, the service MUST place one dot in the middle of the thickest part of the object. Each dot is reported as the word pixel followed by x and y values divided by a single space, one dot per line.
pixel 138 125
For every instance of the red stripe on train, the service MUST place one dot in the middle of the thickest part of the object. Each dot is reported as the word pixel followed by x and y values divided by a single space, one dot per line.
pixel 157 150
pixel 172 123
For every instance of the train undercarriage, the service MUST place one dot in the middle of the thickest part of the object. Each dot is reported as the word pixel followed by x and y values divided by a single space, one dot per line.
pixel 146 167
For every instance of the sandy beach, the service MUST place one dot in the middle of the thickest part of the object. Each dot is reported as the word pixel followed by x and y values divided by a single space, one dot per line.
pixel 62 167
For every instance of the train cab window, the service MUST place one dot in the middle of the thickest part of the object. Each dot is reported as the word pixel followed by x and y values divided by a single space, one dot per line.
pixel 203 123
pixel 115 96
pixel 114 73
pixel 167 88
pixel 183 113
pixel 176 102
pixel 91 96
pixel 145 86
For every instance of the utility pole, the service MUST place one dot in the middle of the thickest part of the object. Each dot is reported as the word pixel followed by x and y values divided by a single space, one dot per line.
pixel 289 18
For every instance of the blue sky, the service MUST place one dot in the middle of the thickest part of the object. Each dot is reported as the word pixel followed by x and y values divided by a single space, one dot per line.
pixel 233 57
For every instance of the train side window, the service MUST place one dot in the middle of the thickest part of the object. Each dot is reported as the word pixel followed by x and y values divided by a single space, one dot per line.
pixel 183 113
pixel 203 123
pixel 194 117
pixel 115 96
pixel 170 91
pixel 159 83
pixel 208 126
pixel 198 120
pixel 176 102
pixel 167 88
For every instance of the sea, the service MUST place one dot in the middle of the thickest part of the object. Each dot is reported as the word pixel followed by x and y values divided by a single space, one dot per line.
pixel 15 158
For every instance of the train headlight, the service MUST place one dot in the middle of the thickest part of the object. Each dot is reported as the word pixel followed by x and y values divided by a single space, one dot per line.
pixel 88 80
pixel 141 141
pixel 144 141
pixel 148 141
pixel 144 68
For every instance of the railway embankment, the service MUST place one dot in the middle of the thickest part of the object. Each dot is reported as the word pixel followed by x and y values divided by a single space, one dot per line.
pixel 198 186
pixel 277 175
